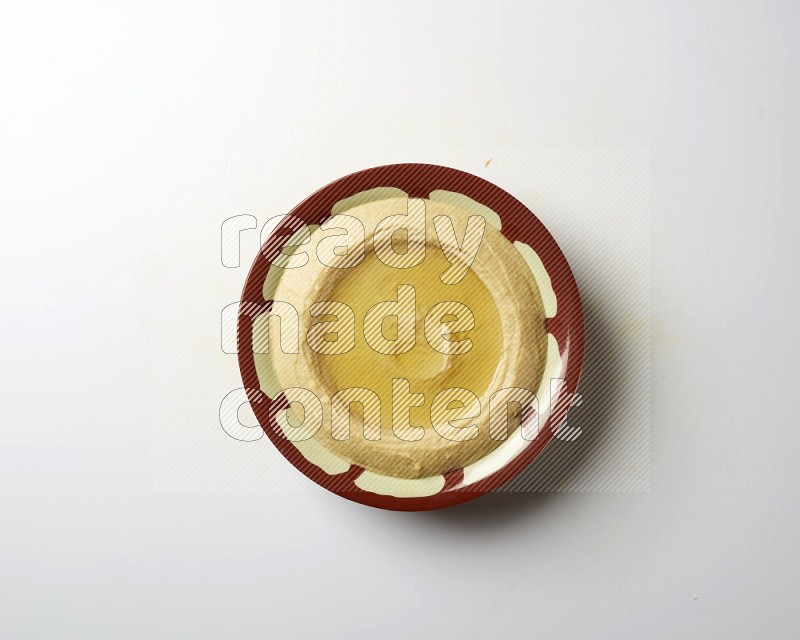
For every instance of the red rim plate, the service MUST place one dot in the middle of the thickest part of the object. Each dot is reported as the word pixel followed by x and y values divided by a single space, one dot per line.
pixel 518 224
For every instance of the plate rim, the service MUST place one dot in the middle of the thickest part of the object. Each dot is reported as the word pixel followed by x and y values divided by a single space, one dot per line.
pixel 518 223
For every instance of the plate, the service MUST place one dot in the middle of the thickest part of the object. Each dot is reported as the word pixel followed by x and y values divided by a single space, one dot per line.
pixel 564 325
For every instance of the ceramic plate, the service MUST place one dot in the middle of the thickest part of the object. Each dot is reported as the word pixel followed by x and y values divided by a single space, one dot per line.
pixel 564 325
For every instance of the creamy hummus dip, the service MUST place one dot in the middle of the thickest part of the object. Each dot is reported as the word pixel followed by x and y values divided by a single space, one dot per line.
pixel 406 357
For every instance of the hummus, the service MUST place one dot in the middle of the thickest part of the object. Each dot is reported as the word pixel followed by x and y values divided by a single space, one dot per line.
pixel 426 344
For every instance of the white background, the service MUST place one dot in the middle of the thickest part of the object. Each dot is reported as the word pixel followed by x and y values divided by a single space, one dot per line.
pixel 129 131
